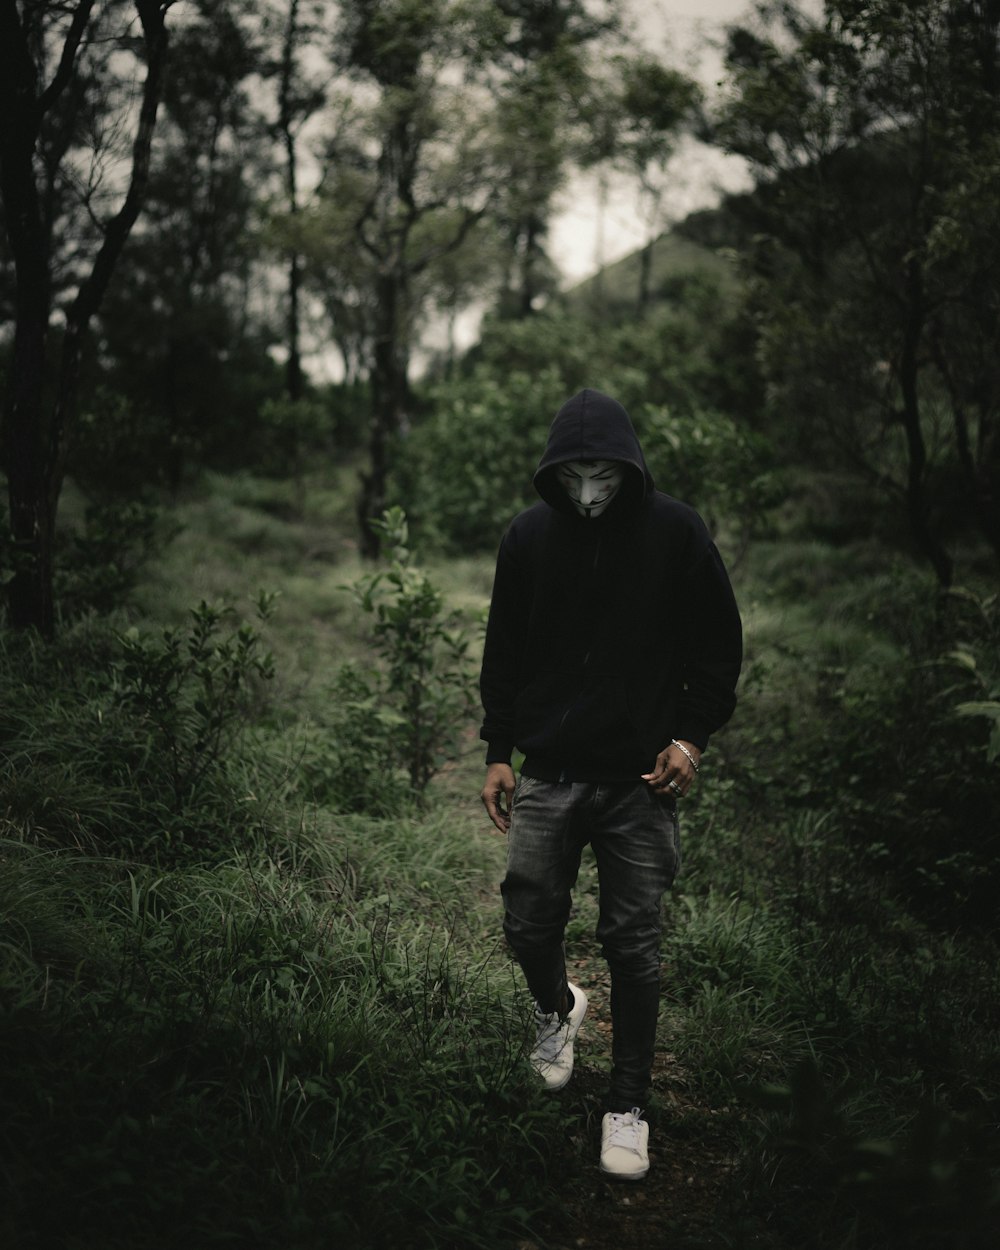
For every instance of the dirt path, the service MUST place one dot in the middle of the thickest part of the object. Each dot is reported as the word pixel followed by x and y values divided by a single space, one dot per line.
pixel 687 1200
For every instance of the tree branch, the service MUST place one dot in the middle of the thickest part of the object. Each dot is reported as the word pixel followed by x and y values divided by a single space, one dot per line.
pixel 92 289
pixel 64 73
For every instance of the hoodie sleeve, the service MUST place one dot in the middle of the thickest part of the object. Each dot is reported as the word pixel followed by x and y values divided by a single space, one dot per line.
pixel 714 652
pixel 505 632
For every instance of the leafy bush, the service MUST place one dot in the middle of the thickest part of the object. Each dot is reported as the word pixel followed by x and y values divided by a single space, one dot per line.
pixel 188 691
pixel 127 742
pixel 720 467
pixel 857 702
pixel 978 659
pixel 428 681
pixel 289 429
pixel 466 469
pixel 909 773
pixel 349 760
pixel 931 1187
pixel 98 566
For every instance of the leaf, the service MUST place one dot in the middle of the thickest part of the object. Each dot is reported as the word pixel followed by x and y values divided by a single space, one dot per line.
pixel 989 708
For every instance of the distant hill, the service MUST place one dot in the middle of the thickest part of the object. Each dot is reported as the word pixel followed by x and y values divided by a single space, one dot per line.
pixel 694 247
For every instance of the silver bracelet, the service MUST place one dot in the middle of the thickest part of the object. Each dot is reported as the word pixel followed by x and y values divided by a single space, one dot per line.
pixel 681 747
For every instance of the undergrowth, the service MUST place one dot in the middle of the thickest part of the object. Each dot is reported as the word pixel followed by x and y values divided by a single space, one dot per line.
pixel 251 989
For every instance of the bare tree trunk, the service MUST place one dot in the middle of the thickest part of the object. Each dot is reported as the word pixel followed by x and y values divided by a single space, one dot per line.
pixel 645 274
pixel 531 258
pixel 24 437
pixel 293 366
pixel 23 432
pixel 975 467
pixel 600 230
pixel 916 503
pixel 390 402
pixel 34 450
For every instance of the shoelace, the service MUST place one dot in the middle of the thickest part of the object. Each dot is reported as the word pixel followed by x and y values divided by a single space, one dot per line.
pixel 548 1046
pixel 625 1130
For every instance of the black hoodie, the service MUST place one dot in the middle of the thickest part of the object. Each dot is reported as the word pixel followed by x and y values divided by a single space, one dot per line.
pixel 607 636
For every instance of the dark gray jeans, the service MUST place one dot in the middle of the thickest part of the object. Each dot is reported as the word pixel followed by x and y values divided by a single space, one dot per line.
pixel 634 836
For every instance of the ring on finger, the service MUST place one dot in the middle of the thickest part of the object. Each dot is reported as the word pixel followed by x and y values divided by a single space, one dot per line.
pixel 676 789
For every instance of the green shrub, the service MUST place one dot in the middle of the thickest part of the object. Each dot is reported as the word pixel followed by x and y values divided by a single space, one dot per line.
pixel 932 1186
pixel 188 691
pixel 131 743
pixel 98 567
pixel 427 688
pixel 349 758
pixel 466 469
pixel 856 712
pixel 712 462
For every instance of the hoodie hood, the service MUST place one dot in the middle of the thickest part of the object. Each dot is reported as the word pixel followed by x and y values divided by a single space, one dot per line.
pixel 593 426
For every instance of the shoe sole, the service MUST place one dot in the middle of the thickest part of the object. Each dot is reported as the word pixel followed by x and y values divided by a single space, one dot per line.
pixel 554 1089
pixel 624 1176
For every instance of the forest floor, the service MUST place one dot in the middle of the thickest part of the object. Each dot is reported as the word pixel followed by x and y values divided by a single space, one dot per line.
pixel 688 1198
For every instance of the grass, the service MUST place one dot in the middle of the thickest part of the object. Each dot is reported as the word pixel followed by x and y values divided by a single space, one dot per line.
pixel 238 1014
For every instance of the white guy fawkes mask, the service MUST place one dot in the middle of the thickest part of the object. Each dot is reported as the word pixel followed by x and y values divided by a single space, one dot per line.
pixel 591 484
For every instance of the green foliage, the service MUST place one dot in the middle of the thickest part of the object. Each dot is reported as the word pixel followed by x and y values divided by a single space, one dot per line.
pixel 189 691
pixel 719 466
pixel 213 1043
pixel 863 720
pixel 99 565
pixel 979 661
pixel 289 429
pixel 129 743
pixel 832 961
pixel 874 132
pixel 350 757
pixel 933 1187
pixel 428 680
pixel 466 469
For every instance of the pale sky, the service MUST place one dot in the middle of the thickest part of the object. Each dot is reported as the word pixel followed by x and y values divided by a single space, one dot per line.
pixel 682 32
pixel 686 34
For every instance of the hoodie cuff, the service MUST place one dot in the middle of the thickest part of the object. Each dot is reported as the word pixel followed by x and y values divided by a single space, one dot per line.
pixel 697 735
pixel 499 752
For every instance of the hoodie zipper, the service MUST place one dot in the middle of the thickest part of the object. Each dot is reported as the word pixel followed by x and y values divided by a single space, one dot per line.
pixel 586 658
pixel 593 569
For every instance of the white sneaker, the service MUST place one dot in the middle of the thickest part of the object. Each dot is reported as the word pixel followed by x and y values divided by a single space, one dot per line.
pixel 552 1054
pixel 624 1141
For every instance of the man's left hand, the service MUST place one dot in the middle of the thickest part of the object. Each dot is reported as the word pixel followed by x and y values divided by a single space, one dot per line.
pixel 674 773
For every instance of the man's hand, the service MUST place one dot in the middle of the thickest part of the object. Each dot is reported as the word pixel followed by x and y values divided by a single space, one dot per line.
pixel 498 794
pixel 674 773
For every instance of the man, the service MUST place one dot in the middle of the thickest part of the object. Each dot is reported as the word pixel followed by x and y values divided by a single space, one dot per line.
pixel 612 653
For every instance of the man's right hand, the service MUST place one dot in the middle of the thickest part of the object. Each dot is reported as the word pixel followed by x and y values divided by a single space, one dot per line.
pixel 498 794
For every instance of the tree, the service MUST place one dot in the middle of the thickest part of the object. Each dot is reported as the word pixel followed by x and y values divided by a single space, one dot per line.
pixel 54 140
pixel 301 92
pixel 545 108
pixel 406 185
pixel 875 132
pixel 180 338
pixel 657 104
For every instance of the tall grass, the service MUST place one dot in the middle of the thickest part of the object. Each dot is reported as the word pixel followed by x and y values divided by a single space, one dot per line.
pixel 833 964
pixel 276 1047
pixel 237 1012
pixel 231 1016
